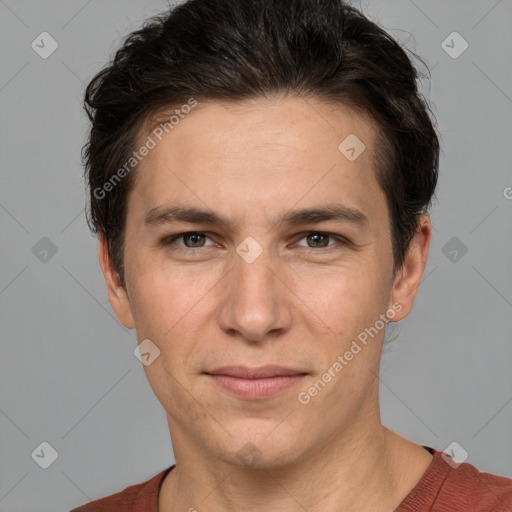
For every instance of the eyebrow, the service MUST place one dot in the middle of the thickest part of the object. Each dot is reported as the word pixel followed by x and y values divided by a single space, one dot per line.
pixel 333 212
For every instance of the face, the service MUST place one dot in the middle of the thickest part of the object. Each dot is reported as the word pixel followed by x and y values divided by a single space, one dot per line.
pixel 262 279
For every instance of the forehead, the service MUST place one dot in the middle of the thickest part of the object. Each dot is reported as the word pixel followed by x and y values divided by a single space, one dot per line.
pixel 258 156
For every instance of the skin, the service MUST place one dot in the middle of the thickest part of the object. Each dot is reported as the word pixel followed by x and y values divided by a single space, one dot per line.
pixel 299 304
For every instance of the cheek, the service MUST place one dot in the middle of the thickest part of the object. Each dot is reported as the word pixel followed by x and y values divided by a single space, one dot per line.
pixel 162 296
pixel 345 300
pixel 171 307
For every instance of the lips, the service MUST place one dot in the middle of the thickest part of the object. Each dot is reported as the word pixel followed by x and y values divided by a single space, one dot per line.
pixel 255 383
pixel 260 372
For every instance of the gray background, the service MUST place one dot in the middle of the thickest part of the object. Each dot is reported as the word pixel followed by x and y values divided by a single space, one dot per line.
pixel 68 375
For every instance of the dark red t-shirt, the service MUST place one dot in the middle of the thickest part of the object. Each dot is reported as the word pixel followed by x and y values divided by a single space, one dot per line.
pixel 442 488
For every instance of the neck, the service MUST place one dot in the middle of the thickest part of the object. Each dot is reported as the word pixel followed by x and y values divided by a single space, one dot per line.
pixel 361 470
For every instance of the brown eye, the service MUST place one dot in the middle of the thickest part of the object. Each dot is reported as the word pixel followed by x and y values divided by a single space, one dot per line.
pixel 194 239
pixel 319 240
pixel 191 240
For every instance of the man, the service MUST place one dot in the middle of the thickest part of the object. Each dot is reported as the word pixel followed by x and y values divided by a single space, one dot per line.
pixel 260 174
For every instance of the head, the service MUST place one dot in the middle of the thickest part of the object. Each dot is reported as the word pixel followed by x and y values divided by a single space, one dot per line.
pixel 297 128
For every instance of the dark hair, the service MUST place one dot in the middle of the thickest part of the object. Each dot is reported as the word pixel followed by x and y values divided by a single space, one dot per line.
pixel 234 50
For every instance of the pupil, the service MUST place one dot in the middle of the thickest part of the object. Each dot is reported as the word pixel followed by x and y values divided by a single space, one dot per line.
pixel 315 237
pixel 193 235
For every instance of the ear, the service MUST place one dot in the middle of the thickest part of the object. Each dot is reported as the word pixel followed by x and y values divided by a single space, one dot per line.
pixel 408 278
pixel 117 295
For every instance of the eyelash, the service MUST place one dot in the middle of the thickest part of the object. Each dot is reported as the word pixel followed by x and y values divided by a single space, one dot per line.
pixel 171 239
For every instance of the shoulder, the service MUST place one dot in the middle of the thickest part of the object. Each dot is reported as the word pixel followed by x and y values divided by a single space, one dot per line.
pixel 480 490
pixel 449 486
pixel 141 497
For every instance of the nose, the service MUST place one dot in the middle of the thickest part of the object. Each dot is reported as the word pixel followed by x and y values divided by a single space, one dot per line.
pixel 256 302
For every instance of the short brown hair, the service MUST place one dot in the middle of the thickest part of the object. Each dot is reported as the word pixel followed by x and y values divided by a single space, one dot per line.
pixel 240 49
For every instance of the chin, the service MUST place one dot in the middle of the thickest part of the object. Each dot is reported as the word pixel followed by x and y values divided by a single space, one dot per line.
pixel 263 448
